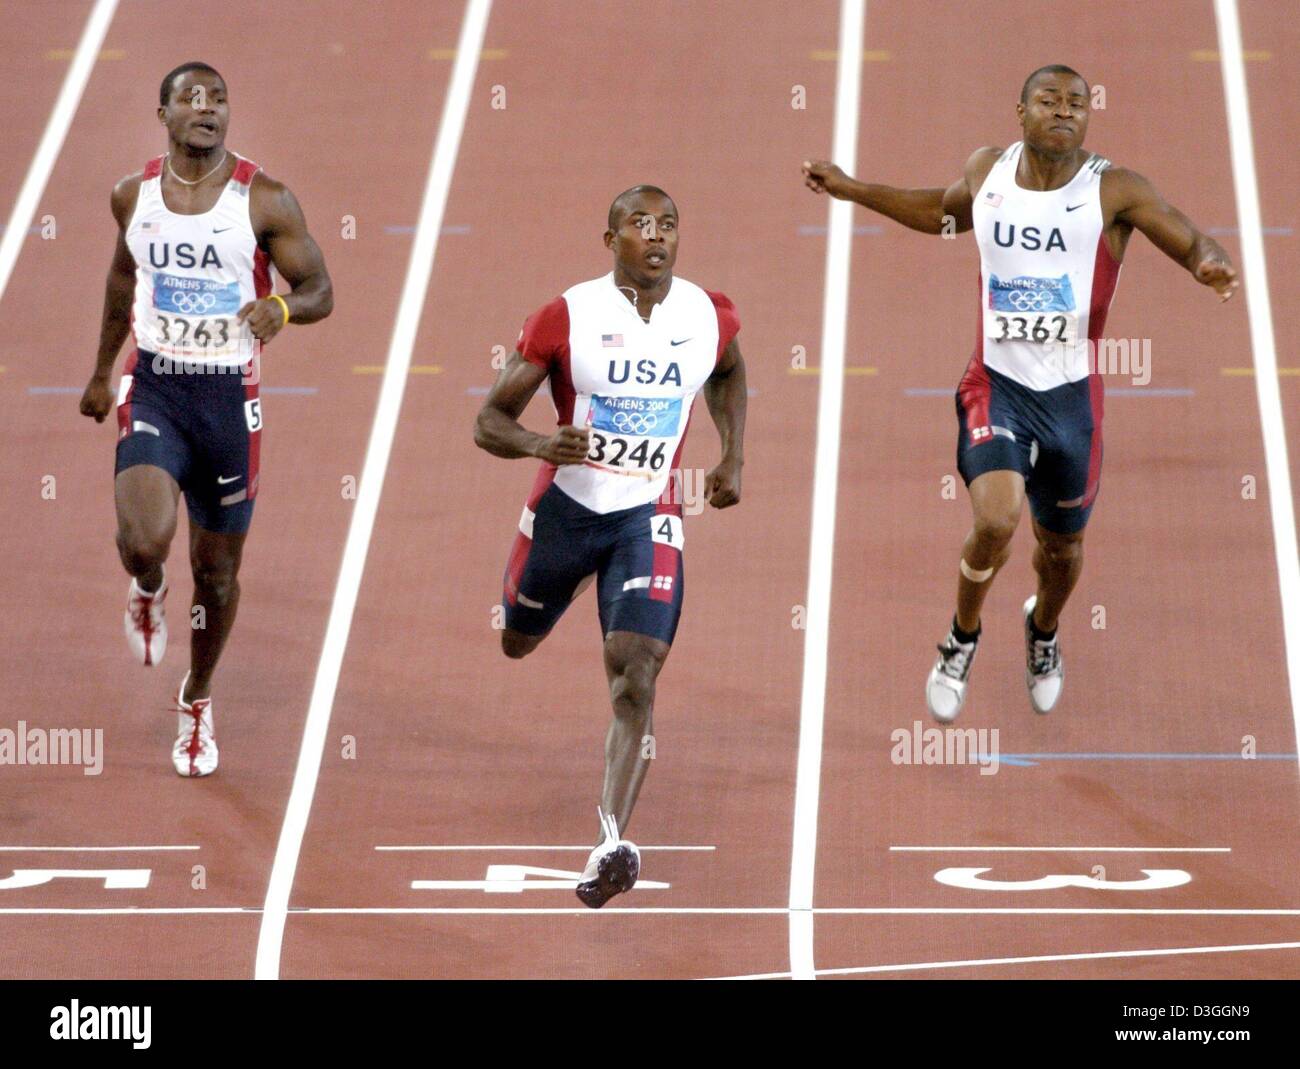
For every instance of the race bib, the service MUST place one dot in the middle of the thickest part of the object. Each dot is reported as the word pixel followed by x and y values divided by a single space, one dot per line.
pixel 1031 309
pixel 632 435
pixel 195 316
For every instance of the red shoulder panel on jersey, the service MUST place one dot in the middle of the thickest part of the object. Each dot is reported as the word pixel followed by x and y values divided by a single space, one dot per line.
pixel 728 320
pixel 244 171
pixel 544 341
pixel 152 169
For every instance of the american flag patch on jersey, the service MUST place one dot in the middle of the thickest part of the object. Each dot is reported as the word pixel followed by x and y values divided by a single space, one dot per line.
pixel 149 224
pixel 993 199
pixel 611 341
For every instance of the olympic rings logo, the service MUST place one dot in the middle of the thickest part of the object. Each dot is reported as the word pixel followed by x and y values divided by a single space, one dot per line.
pixel 193 303
pixel 635 422
pixel 1030 301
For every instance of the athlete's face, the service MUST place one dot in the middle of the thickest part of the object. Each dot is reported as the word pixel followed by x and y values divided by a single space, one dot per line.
pixel 197 113
pixel 645 243
pixel 1055 117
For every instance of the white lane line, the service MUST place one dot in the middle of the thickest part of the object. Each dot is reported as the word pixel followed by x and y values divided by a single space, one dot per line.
pixel 821 548
pixel 1260 312
pixel 419 269
pixel 1031 960
pixel 87 849
pixel 1064 849
pixel 837 911
pixel 738 911
pixel 1051 911
pixel 47 152
pixel 124 911
pixel 583 849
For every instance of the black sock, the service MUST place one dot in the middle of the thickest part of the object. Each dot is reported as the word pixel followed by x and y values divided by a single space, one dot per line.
pixel 965 637
pixel 1040 636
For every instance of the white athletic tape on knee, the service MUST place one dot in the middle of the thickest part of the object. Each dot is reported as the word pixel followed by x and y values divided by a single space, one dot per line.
pixel 974 576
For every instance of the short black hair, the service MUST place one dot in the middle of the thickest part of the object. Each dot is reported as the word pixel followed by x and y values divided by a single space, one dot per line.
pixel 617 204
pixel 1051 68
pixel 165 90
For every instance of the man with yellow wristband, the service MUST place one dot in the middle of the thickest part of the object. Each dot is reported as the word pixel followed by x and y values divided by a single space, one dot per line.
pixel 201 233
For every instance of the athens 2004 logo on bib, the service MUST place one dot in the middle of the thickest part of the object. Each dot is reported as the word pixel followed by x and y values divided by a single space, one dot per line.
pixel 195 315
pixel 1032 309
pixel 624 432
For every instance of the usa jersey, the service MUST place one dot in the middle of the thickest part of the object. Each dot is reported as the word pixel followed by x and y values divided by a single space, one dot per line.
pixel 630 381
pixel 194 272
pixel 1046 275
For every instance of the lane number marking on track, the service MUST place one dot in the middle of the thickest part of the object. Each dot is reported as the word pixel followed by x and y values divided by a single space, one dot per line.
pixel 512 879
pixel 114 879
pixel 973 880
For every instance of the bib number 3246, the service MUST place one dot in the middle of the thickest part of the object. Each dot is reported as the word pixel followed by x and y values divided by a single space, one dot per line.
pixel 616 451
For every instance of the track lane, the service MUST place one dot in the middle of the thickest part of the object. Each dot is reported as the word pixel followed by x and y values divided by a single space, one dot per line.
pixel 458 745
pixel 1271 41
pixel 33 32
pixel 1181 564
pixel 324 124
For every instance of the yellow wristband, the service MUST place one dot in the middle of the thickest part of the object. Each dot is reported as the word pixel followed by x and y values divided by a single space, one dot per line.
pixel 284 305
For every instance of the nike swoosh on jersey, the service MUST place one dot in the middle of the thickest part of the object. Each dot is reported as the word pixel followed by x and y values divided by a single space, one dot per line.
pixel 682 342
pixel 1073 206
pixel 228 479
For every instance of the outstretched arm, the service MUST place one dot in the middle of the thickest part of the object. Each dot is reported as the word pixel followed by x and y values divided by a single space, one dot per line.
pixel 727 396
pixel 926 210
pixel 499 431
pixel 119 290
pixel 282 231
pixel 1137 204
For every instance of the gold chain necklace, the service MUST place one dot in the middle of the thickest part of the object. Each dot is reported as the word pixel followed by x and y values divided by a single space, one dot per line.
pixel 185 181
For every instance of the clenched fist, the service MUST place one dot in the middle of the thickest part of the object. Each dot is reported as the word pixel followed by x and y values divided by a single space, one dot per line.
pixel 265 317
pixel 97 399
pixel 568 445
pixel 1220 274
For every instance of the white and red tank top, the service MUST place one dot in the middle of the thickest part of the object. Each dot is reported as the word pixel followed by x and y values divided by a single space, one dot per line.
pixel 632 382
pixel 1046 274
pixel 194 272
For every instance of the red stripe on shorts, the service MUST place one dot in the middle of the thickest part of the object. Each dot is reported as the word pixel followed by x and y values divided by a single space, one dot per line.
pixel 515 566
pixel 976 389
pixel 1105 276
pixel 254 437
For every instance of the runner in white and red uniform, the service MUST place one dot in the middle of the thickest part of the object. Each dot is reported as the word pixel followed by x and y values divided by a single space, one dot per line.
pixel 625 355
pixel 1052 222
pixel 199 231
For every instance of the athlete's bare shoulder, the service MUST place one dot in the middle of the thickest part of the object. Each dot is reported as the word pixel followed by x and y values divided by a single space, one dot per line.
pixel 125 194
pixel 274 207
pixel 1123 189
pixel 1123 181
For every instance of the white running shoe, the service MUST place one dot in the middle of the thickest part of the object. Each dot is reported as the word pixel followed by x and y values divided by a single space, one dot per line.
pixel 145 624
pixel 945 690
pixel 1044 670
pixel 195 752
pixel 611 869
